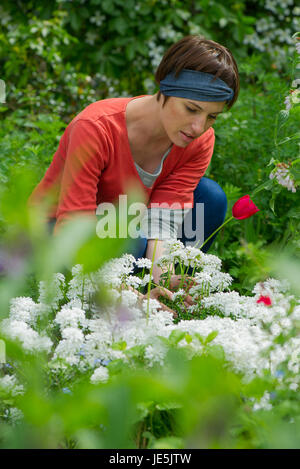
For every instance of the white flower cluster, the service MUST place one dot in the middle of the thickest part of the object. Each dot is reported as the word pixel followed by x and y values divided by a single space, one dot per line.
pixel 275 30
pixel 9 385
pixel 26 310
pixel 283 176
pixel 294 94
pixel 100 375
pixel 156 52
pixel 210 282
pixel 87 337
pixel 176 252
pixel 29 338
pixel 52 292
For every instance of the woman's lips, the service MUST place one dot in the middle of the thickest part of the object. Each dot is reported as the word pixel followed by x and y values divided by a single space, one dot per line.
pixel 185 137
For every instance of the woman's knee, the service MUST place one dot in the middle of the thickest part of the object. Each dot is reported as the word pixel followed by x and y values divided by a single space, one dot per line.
pixel 212 195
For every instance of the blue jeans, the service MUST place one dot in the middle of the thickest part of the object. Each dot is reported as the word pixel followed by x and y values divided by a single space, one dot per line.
pixel 209 193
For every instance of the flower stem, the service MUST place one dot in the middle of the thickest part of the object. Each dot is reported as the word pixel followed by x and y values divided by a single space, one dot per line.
pixel 149 284
pixel 216 231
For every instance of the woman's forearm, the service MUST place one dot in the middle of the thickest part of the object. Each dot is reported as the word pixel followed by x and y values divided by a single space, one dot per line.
pixel 157 271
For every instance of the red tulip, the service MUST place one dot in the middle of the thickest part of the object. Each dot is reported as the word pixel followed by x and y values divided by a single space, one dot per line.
pixel 264 299
pixel 244 208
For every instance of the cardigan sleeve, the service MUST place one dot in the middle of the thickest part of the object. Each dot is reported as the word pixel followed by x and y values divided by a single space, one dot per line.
pixel 85 150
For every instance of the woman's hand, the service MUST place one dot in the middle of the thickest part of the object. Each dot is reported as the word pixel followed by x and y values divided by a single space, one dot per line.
pixel 176 281
pixel 157 292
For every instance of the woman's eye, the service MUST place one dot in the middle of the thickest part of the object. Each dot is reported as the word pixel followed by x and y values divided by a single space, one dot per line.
pixel 190 109
pixel 213 117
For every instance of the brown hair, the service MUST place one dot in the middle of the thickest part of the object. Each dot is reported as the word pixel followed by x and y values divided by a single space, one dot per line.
pixel 197 53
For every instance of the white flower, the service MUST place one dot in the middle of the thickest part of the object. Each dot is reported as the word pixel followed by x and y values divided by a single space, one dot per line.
pixel 296 82
pixel 30 339
pixel 155 353
pixel 82 286
pixel 287 103
pixel 144 262
pixel 283 176
pixel 91 37
pixel 146 280
pixel 73 334
pixel 100 375
pixel 10 385
pixel 208 282
pixel 294 386
pixel 97 18
pixel 209 262
pixel 133 281
pixel 53 291
pixel 264 403
pixel 128 298
pixel 24 309
pixel 230 303
pixel 71 317
pixel 295 97
pixel 179 294
pixel 15 415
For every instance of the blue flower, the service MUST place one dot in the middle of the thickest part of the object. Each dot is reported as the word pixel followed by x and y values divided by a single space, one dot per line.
pixel 105 362
pixel 7 365
pixel 81 353
pixel 66 391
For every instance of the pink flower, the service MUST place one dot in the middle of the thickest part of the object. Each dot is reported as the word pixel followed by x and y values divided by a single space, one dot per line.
pixel 244 208
pixel 264 299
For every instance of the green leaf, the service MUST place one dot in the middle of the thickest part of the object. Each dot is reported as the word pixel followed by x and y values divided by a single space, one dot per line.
pixel 188 338
pixel 75 20
pixel 115 366
pixel 142 48
pixel 108 6
pixel 267 185
pixel 176 336
pixel 200 338
pixel 136 352
pixel 168 406
pixel 211 337
pixel 272 204
pixel 120 25
pixel 119 345
pixel 216 351
pixel 130 51
pixel 294 212
pixel 170 442
pixel 283 117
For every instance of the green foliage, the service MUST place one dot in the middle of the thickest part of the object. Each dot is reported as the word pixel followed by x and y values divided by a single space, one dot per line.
pixel 65 55
pixel 55 60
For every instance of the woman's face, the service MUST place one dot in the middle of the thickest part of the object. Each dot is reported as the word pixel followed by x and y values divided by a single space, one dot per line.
pixel 186 119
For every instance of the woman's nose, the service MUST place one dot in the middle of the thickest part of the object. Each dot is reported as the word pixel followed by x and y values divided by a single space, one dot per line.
pixel 199 125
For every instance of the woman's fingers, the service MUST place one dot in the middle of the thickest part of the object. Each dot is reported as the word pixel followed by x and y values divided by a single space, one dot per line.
pixel 176 281
pixel 161 291
pixel 188 300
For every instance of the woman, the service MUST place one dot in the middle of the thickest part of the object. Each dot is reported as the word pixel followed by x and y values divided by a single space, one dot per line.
pixel 163 143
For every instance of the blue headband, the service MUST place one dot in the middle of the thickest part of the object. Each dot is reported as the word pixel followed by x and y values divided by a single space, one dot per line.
pixel 193 84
